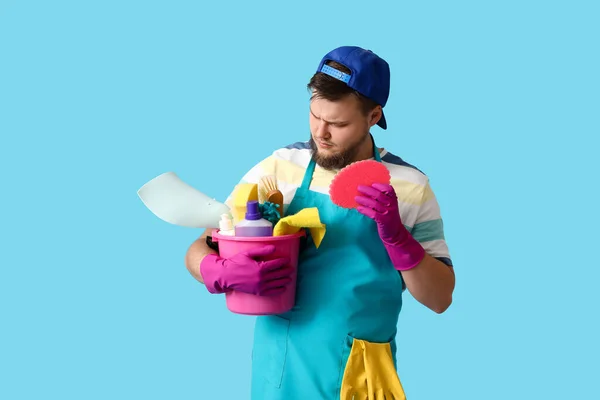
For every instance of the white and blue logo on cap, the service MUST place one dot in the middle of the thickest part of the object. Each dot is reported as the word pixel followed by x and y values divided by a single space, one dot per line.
pixel 326 69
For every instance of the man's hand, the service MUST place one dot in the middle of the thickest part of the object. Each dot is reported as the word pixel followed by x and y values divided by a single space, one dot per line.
pixel 245 274
pixel 380 203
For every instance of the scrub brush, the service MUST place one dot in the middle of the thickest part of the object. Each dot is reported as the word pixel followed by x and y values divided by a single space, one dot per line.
pixel 344 186
pixel 268 191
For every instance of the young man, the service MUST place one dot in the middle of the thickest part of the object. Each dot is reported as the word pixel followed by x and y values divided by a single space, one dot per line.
pixel 339 341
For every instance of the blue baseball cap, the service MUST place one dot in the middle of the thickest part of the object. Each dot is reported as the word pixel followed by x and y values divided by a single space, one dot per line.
pixel 369 76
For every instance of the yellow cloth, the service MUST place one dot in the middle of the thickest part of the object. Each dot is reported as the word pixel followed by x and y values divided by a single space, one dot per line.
pixel 305 218
pixel 370 373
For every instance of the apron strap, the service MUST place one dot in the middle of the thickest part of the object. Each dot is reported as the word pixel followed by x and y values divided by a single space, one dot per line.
pixel 375 152
pixel 303 189
pixel 311 169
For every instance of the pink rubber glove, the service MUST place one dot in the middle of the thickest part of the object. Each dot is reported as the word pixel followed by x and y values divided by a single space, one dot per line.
pixel 379 202
pixel 245 274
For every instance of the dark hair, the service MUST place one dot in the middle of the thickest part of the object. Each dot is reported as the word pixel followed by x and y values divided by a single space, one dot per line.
pixel 332 89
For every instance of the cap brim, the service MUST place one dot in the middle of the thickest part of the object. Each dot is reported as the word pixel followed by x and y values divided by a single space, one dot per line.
pixel 382 122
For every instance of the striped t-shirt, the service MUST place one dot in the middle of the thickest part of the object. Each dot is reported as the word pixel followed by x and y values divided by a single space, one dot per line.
pixel 419 209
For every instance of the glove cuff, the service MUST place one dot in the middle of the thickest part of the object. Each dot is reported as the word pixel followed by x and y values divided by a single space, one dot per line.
pixel 406 254
pixel 210 267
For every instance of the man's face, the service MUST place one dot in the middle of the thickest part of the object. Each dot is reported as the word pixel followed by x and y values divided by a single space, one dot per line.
pixel 339 131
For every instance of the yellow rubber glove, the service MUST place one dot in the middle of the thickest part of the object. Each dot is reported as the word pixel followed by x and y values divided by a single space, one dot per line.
pixel 370 373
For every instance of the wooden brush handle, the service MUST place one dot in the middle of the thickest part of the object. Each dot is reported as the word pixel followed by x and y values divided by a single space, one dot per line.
pixel 276 197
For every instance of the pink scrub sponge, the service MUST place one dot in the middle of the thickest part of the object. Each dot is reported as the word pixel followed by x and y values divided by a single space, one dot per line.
pixel 344 186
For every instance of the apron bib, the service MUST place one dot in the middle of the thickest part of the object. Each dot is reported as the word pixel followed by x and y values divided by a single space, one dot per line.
pixel 338 342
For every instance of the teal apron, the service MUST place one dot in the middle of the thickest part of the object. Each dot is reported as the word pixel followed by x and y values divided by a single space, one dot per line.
pixel 349 297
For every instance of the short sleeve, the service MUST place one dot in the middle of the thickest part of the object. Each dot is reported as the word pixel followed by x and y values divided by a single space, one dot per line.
pixel 429 227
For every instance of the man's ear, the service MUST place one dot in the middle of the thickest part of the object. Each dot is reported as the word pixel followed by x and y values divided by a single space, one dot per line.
pixel 376 114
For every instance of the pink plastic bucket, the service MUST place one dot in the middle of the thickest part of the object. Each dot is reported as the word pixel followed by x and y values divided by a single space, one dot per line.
pixel 249 304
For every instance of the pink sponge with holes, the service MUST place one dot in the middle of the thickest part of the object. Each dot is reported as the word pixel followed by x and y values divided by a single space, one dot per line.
pixel 344 186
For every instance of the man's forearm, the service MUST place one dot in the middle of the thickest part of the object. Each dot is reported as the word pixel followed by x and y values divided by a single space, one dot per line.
pixel 196 252
pixel 431 283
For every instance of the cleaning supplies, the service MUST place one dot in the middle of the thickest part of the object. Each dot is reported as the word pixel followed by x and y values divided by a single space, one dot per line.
pixel 176 202
pixel 269 248
pixel 226 226
pixel 254 224
pixel 268 192
pixel 370 373
pixel 243 193
pixel 270 212
pixel 305 218
pixel 344 186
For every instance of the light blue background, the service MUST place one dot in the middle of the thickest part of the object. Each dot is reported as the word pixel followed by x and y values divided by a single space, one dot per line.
pixel 497 101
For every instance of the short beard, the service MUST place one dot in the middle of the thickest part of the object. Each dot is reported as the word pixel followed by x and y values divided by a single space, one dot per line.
pixel 336 161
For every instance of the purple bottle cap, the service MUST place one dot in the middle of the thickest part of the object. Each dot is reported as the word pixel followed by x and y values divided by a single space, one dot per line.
pixel 252 211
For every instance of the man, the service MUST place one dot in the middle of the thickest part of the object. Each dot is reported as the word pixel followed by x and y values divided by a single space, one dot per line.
pixel 339 341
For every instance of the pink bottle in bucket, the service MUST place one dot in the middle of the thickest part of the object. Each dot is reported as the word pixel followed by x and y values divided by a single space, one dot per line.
pixel 250 304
